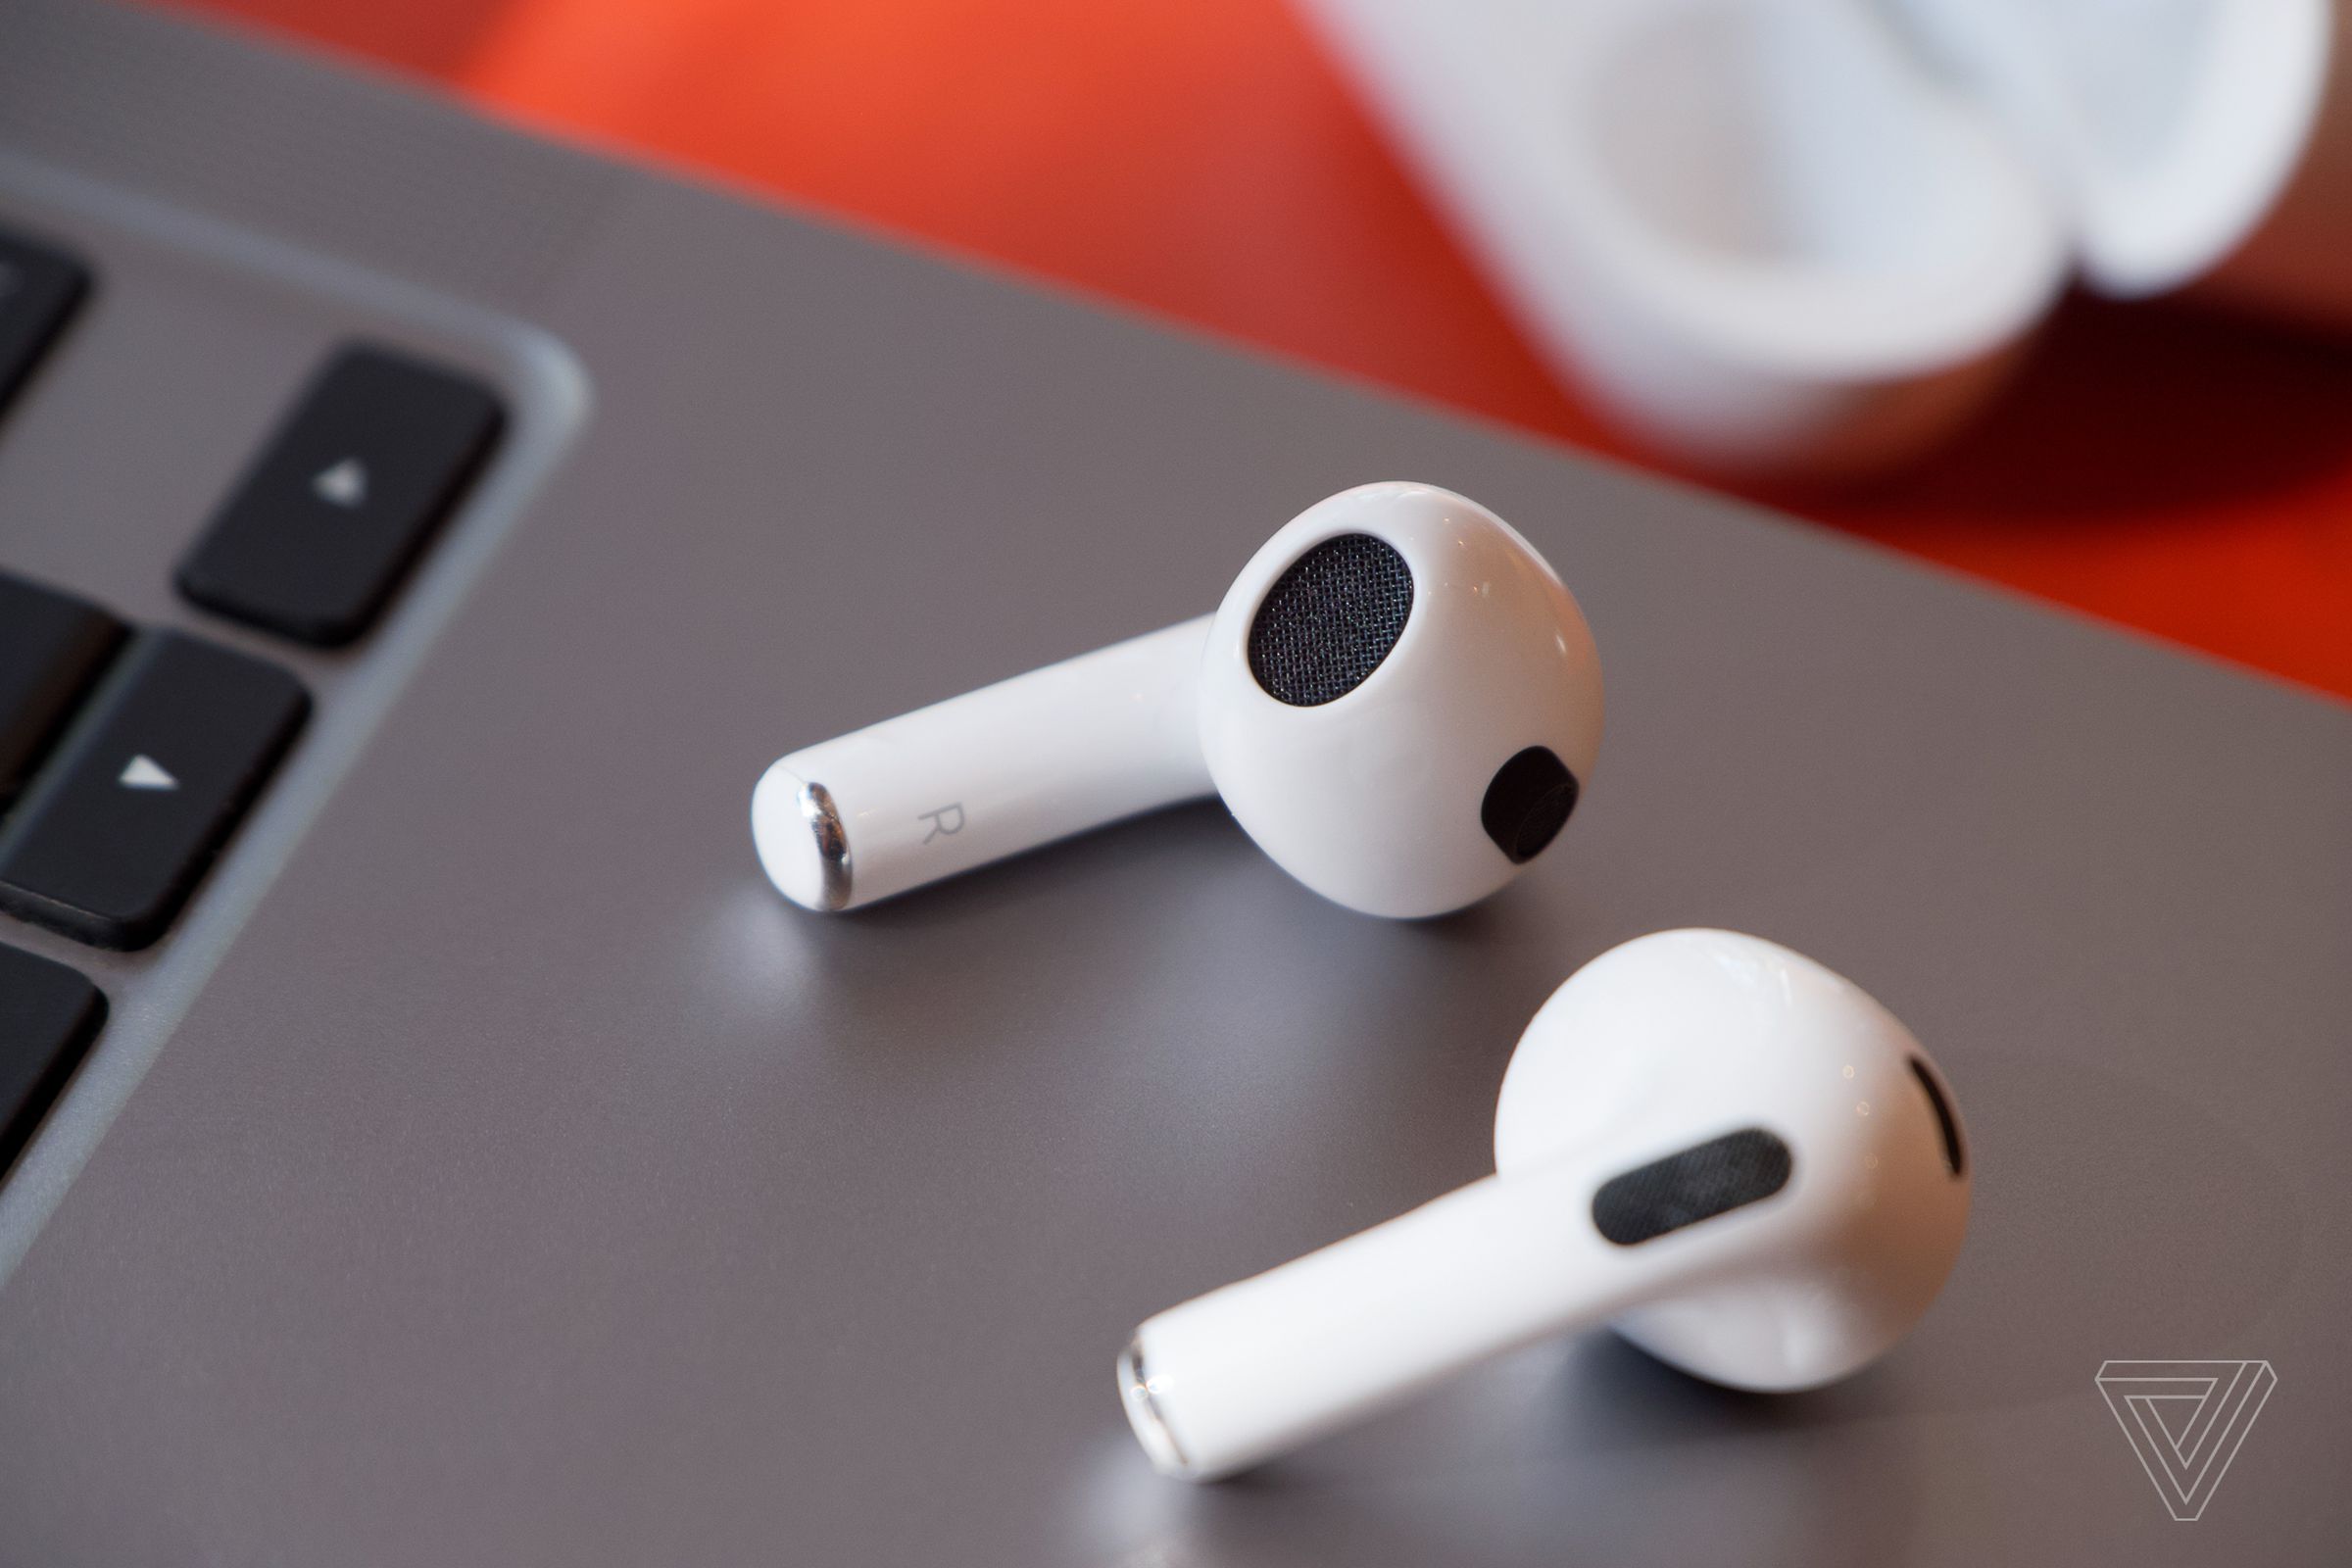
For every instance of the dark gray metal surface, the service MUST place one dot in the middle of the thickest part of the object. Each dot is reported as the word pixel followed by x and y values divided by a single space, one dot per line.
pixel 531 1184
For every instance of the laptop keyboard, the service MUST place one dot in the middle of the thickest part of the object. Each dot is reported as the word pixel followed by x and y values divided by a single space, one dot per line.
pixel 128 756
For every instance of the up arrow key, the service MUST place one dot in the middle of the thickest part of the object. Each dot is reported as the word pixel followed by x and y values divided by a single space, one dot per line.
pixel 344 485
pixel 144 772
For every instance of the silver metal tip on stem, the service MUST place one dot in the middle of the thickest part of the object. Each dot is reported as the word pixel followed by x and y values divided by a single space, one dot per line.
pixel 832 845
pixel 1143 1414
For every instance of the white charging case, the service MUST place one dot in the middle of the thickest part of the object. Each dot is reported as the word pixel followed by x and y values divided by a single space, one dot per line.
pixel 1811 234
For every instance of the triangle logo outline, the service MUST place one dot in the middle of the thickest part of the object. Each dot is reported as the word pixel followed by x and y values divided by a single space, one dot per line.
pixel 2186 1421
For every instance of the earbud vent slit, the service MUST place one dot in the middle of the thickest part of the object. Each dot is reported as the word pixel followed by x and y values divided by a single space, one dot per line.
pixel 1955 1157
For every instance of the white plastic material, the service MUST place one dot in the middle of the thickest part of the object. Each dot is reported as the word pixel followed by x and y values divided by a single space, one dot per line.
pixel 987 775
pixel 1373 800
pixel 1811 233
pixel 1657 1045
pixel 2163 129
pixel 2292 265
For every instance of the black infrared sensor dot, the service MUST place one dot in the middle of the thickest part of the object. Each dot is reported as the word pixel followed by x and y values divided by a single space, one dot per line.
pixel 1527 802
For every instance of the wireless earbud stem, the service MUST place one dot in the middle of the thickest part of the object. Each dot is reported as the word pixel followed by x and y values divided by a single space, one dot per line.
pixel 988 774
pixel 1258 1367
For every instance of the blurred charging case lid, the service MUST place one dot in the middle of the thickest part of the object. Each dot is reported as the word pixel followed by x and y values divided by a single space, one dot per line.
pixel 1810 235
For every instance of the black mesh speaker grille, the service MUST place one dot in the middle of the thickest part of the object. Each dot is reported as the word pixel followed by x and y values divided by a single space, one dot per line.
pixel 1699 1183
pixel 1330 620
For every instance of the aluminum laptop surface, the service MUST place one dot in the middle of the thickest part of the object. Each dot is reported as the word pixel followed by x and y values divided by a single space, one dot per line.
pixel 488 1166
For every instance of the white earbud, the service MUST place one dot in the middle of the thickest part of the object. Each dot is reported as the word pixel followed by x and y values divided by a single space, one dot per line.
pixel 1739 1161
pixel 1397 699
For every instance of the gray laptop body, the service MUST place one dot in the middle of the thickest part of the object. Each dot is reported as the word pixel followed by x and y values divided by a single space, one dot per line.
pixel 488 1167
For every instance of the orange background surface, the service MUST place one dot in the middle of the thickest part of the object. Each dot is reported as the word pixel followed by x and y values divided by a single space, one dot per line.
pixel 2185 473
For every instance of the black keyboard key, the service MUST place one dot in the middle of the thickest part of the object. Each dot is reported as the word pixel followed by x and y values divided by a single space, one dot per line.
pixel 320 532
pixel 40 288
pixel 52 647
pixel 119 827
pixel 48 1015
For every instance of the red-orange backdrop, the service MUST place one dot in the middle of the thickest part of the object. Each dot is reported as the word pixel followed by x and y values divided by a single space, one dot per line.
pixel 2184 473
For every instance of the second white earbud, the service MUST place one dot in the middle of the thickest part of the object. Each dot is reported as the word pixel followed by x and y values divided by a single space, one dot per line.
pixel 1737 1158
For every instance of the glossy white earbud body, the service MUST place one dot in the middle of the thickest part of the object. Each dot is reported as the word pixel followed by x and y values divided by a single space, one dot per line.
pixel 1732 1155
pixel 1397 699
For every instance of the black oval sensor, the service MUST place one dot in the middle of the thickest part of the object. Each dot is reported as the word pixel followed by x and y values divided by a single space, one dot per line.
pixel 1527 803
pixel 1697 1183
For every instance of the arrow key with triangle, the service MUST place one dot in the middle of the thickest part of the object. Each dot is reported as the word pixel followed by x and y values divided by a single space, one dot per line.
pixel 372 458
pixel 122 822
